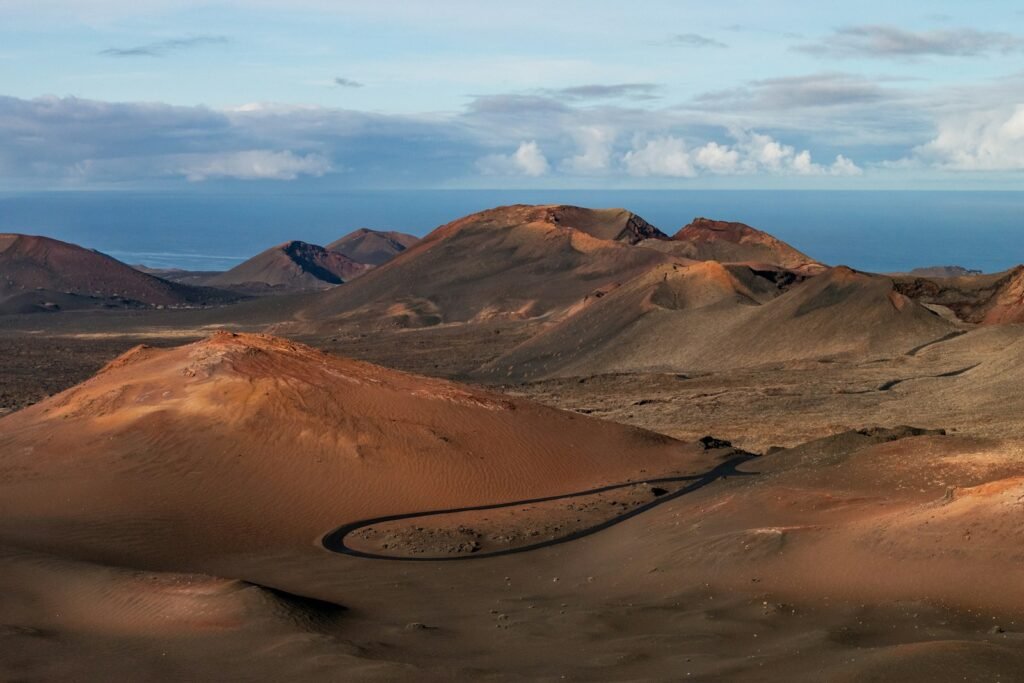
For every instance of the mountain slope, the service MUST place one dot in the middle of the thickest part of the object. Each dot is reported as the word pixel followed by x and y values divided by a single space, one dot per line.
pixel 244 442
pixel 291 266
pixel 710 240
pixel 709 317
pixel 515 262
pixel 994 299
pixel 372 247
pixel 39 273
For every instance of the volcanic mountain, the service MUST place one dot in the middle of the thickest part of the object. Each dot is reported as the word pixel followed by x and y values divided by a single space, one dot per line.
pixel 245 442
pixel 710 316
pixel 514 262
pixel 372 247
pixel 709 240
pixel 994 299
pixel 291 266
pixel 39 273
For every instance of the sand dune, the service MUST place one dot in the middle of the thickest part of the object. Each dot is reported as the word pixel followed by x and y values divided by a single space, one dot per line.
pixel 39 274
pixel 372 247
pixel 710 316
pixel 291 266
pixel 517 262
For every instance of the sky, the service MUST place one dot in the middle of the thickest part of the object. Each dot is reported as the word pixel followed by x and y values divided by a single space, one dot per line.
pixel 649 94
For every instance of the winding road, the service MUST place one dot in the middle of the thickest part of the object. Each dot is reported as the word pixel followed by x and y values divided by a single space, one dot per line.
pixel 335 540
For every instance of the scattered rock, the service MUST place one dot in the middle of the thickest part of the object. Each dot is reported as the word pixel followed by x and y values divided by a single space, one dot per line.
pixel 417 626
pixel 710 443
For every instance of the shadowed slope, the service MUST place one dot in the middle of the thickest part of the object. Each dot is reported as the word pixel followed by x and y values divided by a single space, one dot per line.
pixel 292 266
pixel 995 299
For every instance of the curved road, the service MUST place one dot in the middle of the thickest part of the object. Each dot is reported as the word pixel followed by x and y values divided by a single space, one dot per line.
pixel 335 540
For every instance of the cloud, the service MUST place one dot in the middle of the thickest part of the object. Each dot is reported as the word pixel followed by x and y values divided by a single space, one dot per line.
pixel 347 83
pixel 164 47
pixel 694 40
pixel 750 153
pixel 53 142
pixel 827 89
pixel 667 156
pixel 990 140
pixel 882 42
pixel 515 105
pixel 598 92
pixel 527 160
pixel 595 155
pixel 257 164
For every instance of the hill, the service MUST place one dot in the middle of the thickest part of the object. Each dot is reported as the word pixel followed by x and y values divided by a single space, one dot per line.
pixel 43 274
pixel 710 240
pixel 167 454
pixel 513 262
pixel 710 316
pixel 292 266
pixel 994 299
pixel 372 247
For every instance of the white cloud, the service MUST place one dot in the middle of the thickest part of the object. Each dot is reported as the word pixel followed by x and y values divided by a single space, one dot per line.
pixel 595 143
pixel 718 158
pixel 666 156
pixel 528 160
pixel 751 153
pixel 843 166
pixel 257 164
pixel 981 141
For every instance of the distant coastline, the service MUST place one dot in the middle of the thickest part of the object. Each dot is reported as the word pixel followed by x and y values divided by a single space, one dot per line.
pixel 880 231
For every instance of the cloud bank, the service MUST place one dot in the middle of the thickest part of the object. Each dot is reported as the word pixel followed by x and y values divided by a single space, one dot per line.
pixel 750 153
pixel 980 141
pixel 817 126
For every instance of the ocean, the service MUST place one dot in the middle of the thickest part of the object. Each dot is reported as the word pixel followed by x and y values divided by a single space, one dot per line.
pixel 205 230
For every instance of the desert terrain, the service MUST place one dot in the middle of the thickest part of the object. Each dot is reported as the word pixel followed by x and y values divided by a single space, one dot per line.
pixel 539 443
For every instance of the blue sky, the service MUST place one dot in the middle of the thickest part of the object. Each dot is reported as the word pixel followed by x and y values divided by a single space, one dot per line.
pixel 646 94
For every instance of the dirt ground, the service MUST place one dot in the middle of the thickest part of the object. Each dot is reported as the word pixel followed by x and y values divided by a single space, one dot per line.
pixel 774 578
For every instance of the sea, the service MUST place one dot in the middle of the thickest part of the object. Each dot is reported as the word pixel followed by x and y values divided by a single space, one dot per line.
pixel 878 231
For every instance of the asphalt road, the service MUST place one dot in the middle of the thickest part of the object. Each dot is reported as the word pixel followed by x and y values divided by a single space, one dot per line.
pixel 335 540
